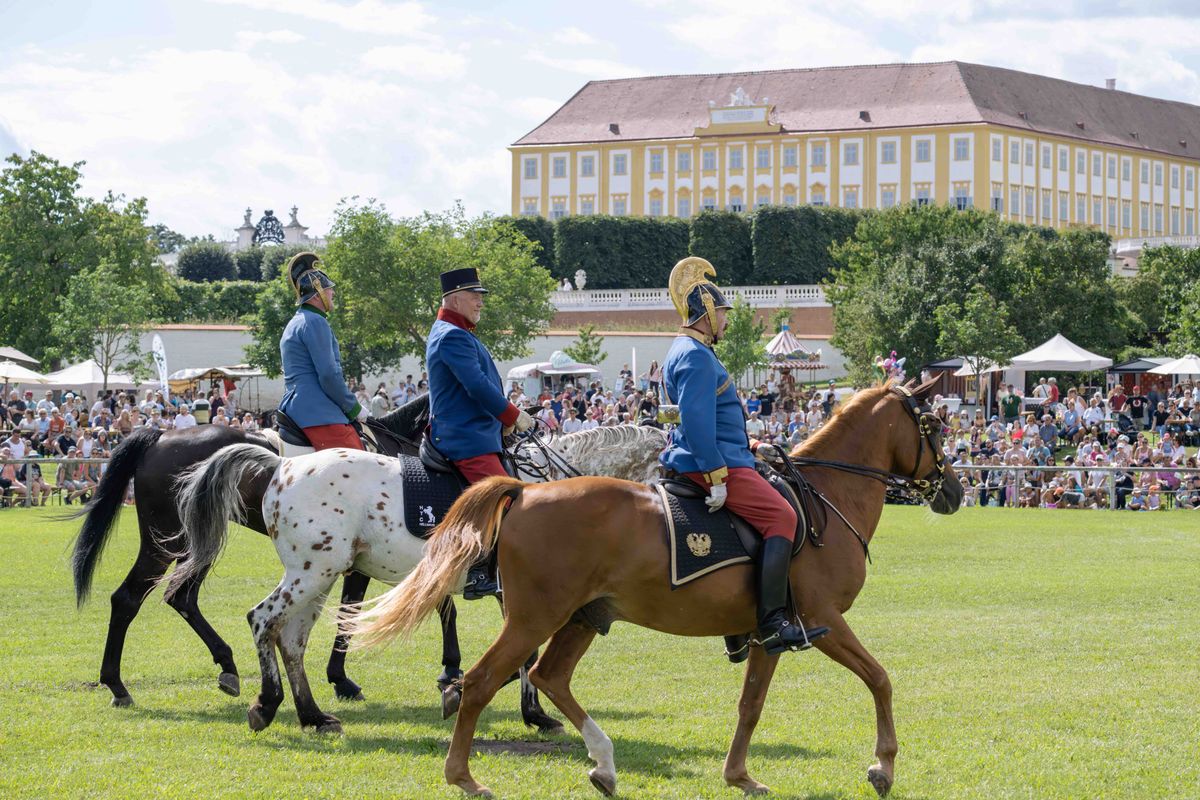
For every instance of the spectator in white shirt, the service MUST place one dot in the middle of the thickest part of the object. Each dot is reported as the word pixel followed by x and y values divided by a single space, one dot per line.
pixel 16 444
pixel 754 426
pixel 571 424
pixel 184 418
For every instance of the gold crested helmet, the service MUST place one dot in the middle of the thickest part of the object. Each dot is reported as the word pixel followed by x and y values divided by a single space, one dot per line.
pixel 306 277
pixel 692 291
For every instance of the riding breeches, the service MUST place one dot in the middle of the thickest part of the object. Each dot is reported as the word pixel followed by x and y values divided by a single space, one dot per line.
pixel 476 468
pixel 754 500
pixel 325 437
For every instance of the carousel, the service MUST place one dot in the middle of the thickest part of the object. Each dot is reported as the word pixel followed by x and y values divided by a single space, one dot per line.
pixel 786 353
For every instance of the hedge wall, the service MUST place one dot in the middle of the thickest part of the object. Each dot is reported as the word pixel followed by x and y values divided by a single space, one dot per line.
pixel 541 231
pixel 723 237
pixel 791 243
pixel 619 252
pixel 215 301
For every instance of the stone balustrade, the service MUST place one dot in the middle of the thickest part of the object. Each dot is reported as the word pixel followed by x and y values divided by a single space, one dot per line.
pixel 658 299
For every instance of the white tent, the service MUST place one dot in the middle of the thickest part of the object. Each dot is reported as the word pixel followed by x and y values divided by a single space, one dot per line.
pixel 1188 365
pixel 15 373
pixel 968 371
pixel 87 377
pixel 1062 355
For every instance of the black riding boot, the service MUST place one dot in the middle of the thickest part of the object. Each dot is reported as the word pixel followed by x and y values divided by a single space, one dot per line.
pixel 480 582
pixel 775 631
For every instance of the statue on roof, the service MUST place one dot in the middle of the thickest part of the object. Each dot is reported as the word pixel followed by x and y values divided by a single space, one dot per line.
pixel 740 98
pixel 268 229
pixel 294 222
pixel 246 219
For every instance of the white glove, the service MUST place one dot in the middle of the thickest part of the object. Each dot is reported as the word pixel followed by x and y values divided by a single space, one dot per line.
pixel 506 431
pixel 362 414
pixel 524 422
pixel 716 497
pixel 769 453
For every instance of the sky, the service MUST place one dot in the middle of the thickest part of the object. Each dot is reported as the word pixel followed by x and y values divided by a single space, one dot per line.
pixel 206 107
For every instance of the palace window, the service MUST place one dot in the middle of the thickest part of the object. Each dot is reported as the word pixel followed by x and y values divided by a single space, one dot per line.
pixel 559 167
pixel 818 155
pixel 530 169
pixel 789 156
pixel 708 160
pixel 1174 177
pixel 762 158
pixel 1096 168
pixel 997 202
pixel 529 207
pixel 922 195
pixel 887 153
pixel 762 199
pixel 735 204
pixel 619 208
pixel 850 198
pixel 924 147
pixel 1064 206
pixel 1080 162
pixel 709 203
pixel 1158 174
pixel 962 148
pixel 789 199
pixel 1014 152
pixel 1029 154
pixel 1126 214
pixel 1174 221
pixel 656 162
pixel 620 164
pixel 850 154
pixel 818 197
pixel 962 201
pixel 1112 167
pixel 1189 223
pixel 656 206
pixel 737 158
pixel 683 161
pixel 587 167
pixel 558 208
pixel 684 206
pixel 997 150
pixel 1112 213
pixel 1189 179
pixel 1029 202
pixel 1126 169
pixel 587 206
pixel 1062 159
pixel 1014 201
pixel 887 197
pixel 1047 204
pixel 1097 211
pixel 1081 209
pixel 1045 156
pixel 1145 171
pixel 1145 217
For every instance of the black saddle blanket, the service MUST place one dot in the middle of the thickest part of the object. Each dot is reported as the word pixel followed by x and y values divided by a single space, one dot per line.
pixel 428 495
pixel 699 542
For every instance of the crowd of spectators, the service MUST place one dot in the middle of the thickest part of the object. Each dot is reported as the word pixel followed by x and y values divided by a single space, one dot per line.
pixel 1074 446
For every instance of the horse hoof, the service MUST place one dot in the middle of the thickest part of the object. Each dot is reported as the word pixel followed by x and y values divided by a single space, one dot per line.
pixel 880 780
pixel 331 726
pixel 124 701
pixel 605 782
pixel 473 789
pixel 348 690
pixel 257 720
pixel 229 683
pixel 451 698
pixel 551 727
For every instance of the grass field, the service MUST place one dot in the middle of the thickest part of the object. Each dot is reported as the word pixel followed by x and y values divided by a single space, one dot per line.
pixel 1034 654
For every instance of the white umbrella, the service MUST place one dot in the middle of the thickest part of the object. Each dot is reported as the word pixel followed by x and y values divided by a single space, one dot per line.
pixel 11 372
pixel 1188 365
pixel 967 371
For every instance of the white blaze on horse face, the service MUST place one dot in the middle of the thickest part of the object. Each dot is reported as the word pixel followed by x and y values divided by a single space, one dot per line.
pixel 600 747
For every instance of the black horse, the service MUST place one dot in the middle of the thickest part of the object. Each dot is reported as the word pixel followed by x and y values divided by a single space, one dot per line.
pixel 154 459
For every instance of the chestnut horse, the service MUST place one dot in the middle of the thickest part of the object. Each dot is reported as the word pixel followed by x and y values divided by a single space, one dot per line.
pixel 611 564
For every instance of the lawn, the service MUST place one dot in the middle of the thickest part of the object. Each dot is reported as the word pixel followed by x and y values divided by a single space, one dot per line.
pixel 1034 654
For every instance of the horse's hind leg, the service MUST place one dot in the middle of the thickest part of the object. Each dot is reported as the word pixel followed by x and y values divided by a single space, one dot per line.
pixel 843 647
pixel 449 683
pixel 184 601
pixel 552 674
pixel 531 707
pixel 127 600
pixel 354 589
pixel 302 606
pixel 759 671
pixel 265 620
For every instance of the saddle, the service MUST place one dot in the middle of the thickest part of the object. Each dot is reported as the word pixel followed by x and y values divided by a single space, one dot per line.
pixel 701 542
pixel 431 485
pixel 290 432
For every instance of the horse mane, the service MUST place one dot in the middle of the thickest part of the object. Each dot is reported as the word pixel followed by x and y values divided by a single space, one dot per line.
pixel 838 419
pixel 410 419
pixel 614 437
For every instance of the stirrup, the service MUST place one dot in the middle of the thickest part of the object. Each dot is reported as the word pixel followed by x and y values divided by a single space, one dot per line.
pixel 773 643
pixel 479 585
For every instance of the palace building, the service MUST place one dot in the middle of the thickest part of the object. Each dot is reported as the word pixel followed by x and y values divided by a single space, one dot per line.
pixel 1034 149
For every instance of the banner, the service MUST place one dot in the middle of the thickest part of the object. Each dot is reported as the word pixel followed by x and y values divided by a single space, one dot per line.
pixel 159 352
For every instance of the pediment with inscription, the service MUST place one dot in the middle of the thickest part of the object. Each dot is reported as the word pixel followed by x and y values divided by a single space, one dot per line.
pixel 741 115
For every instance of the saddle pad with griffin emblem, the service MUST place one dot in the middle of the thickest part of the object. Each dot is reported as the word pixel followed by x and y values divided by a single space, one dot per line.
pixel 428 495
pixel 699 542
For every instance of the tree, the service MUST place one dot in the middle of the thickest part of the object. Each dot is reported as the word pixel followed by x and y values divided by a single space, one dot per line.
pixel 42 223
pixel 742 347
pixel 276 305
pixel 979 330
pixel 275 258
pixel 586 348
pixel 205 261
pixel 1185 336
pixel 249 264
pixel 166 240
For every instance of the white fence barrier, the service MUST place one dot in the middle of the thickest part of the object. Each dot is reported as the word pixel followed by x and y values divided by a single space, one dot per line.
pixel 1114 494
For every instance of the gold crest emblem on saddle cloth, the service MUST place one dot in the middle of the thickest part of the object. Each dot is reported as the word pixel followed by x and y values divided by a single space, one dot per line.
pixel 700 544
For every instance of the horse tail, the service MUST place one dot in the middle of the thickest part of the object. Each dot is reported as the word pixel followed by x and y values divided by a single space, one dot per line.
pixel 468 533
pixel 102 510
pixel 207 496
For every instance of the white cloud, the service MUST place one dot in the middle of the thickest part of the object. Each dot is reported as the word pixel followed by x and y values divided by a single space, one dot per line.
pixel 363 16
pixel 416 61
pixel 573 36
pixel 593 68
pixel 248 39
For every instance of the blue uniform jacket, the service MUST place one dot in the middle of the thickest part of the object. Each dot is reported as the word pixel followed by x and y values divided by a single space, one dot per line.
pixel 466 397
pixel 712 428
pixel 314 390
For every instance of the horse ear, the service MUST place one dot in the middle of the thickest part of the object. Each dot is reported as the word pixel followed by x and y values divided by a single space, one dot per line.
pixel 923 391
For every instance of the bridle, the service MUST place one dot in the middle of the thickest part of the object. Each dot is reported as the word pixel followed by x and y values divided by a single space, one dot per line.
pixel 902 487
pixel 522 455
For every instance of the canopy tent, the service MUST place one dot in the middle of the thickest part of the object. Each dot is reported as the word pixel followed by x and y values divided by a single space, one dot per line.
pixel 1188 365
pixel 788 352
pixel 13 354
pixel 236 372
pixel 968 371
pixel 559 364
pixel 88 377
pixel 1137 365
pixel 1062 355
pixel 15 373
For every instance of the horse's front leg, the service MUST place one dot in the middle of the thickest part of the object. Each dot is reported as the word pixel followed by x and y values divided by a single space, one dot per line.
pixel 843 647
pixel 759 671
pixel 354 589
pixel 450 681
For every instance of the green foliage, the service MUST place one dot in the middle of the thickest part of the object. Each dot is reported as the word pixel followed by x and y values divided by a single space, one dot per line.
pixel 742 347
pixel 1157 296
pixel 166 240
pixel 1185 334
pixel 275 305
pixel 586 349
pixel 781 317
pixel 249 263
pixel 540 231
pixel 791 243
pixel 901 265
pixel 275 258
pixel 723 238
pixel 978 329
pixel 205 261
pixel 620 252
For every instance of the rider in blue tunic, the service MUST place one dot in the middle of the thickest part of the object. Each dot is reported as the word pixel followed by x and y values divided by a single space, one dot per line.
pixel 710 446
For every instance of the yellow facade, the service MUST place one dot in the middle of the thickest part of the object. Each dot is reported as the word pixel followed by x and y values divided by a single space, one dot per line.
pixel 717 175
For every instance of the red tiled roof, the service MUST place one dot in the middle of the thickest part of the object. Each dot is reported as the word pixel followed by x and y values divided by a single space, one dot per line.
pixel 894 95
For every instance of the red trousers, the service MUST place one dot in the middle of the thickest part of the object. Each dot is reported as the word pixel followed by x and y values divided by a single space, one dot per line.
pixel 754 500
pixel 341 434
pixel 477 468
